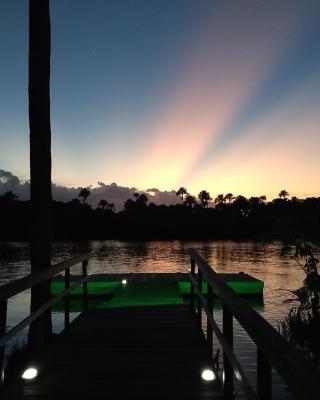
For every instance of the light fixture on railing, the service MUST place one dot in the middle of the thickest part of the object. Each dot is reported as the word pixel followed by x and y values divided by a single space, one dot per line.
pixel 208 375
pixel 30 373
pixel 124 282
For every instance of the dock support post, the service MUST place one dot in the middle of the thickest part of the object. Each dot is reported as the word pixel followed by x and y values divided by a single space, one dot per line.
pixel 228 370
pixel 3 322
pixel 85 285
pixel 264 377
pixel 192 271
pixel 199 305
pixel 209 326
pixel 66 299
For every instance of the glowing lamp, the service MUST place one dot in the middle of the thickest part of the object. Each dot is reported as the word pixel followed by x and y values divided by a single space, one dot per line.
pixel 30 373
pixel 208 375
pixel 124 282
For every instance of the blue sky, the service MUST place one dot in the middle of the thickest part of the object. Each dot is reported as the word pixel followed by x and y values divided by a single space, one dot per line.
pixel 216 95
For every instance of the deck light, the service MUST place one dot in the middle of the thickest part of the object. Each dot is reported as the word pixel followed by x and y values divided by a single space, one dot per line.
pixel 208 375
pixel 124 282
pixel 30 373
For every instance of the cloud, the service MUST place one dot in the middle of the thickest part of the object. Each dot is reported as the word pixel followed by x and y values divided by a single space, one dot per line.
pixel 111 192
pixel 10 182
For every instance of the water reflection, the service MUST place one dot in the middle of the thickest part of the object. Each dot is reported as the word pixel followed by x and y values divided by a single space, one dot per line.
pixel 263 262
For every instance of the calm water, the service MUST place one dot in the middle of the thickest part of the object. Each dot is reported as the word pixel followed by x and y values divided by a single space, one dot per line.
pixel 263 262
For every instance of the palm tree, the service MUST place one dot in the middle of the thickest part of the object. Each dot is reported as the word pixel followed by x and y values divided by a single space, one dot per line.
pixel 142 201
pixel 84 194
pixel 182 192
pixel 283 194
pixel 111 206
pixel 229 197
pixel 40 162
pixel 10 196
pixel 254 202
pixel 190 201
pixel 262 198
pixel 219 199
pixel 204 198
pixel 241 204
pixel 102 204
pixel 129 205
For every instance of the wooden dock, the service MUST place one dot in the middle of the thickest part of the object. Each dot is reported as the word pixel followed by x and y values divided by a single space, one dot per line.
pixel 125 350
pixel 127 353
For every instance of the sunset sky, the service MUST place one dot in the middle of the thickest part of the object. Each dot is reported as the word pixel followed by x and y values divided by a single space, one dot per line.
pixel 216 95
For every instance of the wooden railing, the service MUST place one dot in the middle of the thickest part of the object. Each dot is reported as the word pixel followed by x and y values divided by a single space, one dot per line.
pixel 15 287
pixel 298 373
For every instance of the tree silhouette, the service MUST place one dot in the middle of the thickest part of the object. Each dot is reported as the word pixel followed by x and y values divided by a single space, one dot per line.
pixel 302 324
pixel 283 194
pixel 242 205
pixel 254 202
pixel 190 201
pixel 229 197
pixel 182 192
pixel 219 199
pixel 84 194
pixel 142 201
pixel 263 198
pixel 204 198
pixel 9 196
pixel 139 204
pixel 103 204
pixel 111 206
pixel 242 218
pixel 129 205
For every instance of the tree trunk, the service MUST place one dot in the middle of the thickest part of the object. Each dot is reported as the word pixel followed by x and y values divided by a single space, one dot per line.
pixel 40 161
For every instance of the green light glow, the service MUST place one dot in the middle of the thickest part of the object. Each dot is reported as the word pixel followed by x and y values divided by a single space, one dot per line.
pixel 104 294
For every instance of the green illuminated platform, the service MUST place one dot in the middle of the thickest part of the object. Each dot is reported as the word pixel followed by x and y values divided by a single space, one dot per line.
pixel 108 291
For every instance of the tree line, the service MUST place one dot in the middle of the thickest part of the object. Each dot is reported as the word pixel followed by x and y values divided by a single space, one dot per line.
pixel 224 217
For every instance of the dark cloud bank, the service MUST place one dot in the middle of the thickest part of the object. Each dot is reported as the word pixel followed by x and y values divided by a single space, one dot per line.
pixel 110 192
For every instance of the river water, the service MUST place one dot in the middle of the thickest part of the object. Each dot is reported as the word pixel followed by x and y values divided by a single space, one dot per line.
pixel 280 274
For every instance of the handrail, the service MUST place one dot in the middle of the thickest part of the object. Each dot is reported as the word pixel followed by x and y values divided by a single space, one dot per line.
pixel 226 347
pixel 15 287
pixel 32 317
pixel 19 285
pixel 297 372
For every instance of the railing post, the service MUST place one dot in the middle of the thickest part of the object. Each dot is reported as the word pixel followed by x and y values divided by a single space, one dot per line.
pixel 209 326
pixel 228 370
pixel 264 377
pixel 3 322
pixel 85 285
pixel 199 306
pixel 192 271
pixel 67 298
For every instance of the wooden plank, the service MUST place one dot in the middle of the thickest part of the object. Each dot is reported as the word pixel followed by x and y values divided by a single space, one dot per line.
pixel 153 352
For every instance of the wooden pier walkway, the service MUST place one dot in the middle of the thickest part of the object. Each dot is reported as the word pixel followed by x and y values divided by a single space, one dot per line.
pixel 127 353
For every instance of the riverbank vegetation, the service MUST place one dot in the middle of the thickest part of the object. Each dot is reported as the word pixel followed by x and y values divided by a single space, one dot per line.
pixel 223 217
pixel 301 326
